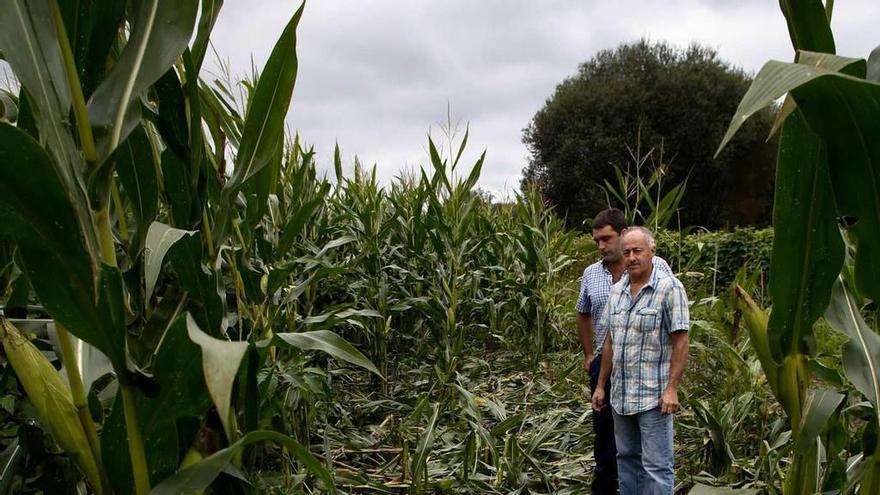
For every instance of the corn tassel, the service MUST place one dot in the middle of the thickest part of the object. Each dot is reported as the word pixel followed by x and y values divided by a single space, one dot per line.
pixel 51 399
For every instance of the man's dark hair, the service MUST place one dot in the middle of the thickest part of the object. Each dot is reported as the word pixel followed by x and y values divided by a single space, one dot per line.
pixel 612 217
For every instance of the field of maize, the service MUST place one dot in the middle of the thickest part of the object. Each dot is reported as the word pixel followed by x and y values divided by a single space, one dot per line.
pixel 265 328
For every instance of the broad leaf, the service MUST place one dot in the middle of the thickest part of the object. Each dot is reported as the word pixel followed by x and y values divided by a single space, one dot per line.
pixel 160 238
pixel 199 476
pixel 37 214
pixel 419 467
pixel 807 247
pixel 136 168
pixel 843 111
pixel 861 353
pixel 181 393
pixel 210 11
pixel 29 44
pixel 92 28
pixel 205 286
pixel 329 342
pixel 220 362
pixel 160 33
pixel 808 25
pixel 818 409
pixel 181 200
pixel 264 123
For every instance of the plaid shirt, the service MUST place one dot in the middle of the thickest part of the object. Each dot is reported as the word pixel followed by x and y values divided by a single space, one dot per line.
pixel 640 335
pixel 595 287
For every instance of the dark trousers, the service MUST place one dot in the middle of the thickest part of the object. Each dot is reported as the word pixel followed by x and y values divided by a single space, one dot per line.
pixel 604 449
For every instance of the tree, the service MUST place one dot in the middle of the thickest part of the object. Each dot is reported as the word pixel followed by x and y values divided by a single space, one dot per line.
pixel 651 96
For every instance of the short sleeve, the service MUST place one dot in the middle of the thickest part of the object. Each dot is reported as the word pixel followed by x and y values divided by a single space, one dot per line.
pixel 605 317
pixel 583 303
pixel 676 308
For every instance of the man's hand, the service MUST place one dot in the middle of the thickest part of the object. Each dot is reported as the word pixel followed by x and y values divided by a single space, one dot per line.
pixel 599 398
pixel 668 401
pixel 588 361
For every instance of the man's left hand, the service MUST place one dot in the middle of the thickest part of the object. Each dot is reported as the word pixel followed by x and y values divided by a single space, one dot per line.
pixel 669 401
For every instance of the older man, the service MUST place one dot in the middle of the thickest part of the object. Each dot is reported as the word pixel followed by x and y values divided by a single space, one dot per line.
pixel 645 354
pixel 595 287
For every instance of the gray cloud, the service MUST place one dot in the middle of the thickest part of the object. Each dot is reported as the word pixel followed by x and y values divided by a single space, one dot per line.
pixel 376 75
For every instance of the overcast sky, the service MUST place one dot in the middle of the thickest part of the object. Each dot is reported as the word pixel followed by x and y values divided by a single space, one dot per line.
pixel 376 75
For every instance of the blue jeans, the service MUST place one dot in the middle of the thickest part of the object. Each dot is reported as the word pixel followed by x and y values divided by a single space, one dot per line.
pixel 645 465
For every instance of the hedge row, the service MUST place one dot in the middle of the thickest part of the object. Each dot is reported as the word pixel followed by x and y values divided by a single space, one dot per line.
pixel 703 260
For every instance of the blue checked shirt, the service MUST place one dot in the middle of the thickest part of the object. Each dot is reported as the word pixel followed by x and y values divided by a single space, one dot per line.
pixel 595 287
pixel 640 336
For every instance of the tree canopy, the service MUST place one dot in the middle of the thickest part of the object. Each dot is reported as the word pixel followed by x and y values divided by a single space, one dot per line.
pixel 651 96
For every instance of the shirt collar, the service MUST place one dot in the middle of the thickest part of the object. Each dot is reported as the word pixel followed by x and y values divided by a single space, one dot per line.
pixel 652 279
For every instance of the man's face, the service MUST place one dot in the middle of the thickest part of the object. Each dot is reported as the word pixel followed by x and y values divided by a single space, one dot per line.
pixel 637 253
pixel 609 243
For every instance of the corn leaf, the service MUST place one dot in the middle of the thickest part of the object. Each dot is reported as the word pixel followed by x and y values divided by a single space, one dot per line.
pixel 807 247
pixel 181 394
pixel 160 238
pixel 842 110
pixel 809 25
pixel 329 342
pixel 29 44
pixel 160 33
pixel 207 302
pixel 199 476
pixel 52 250
pixel 220 362
pixel 264 122
pixel 136 169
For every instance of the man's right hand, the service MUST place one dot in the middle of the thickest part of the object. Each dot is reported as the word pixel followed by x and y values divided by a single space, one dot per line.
pixel 588 361
pixel 599 398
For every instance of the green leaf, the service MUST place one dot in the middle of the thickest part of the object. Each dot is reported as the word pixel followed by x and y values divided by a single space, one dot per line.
pixel 264 123
pixel 818 409
pixel 92 28
pixel 773 81
pixel 29 44
pixel 807 247
pixel 210 11
pixel 136 167
pixel 220 362
pixel 329 342
pixel 172 123
pixel 198 476
pixel 37 214
pixel 181 393
pixel 808 25
pixel 159 34
pixel 299 219
pixel 423 450
pixel 204 284
pixel 160 238
pixel 861 353
pixel 843 111
pixel 12 460
pixel 181 199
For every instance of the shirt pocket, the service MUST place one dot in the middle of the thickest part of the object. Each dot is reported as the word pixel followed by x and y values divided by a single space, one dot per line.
pixel 648 319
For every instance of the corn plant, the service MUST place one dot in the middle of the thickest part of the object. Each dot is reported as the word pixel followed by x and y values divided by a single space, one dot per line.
pixel 826 170
pixel 139 238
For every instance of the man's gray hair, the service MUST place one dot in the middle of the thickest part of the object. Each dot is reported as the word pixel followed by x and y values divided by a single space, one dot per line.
pixel 649 236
